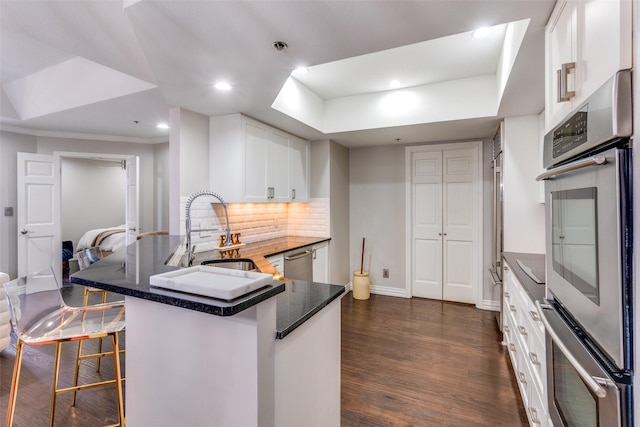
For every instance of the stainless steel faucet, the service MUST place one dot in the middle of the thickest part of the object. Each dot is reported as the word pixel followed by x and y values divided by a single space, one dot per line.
pixel 190 252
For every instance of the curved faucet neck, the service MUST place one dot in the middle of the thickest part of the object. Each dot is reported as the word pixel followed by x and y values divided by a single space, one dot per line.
pixel 189 251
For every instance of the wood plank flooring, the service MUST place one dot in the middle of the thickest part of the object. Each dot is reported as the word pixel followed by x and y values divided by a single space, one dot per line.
pixel 418 362
pixel 404 363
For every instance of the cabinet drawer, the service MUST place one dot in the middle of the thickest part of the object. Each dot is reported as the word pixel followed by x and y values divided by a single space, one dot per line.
pixel 511 342
pixel 535 407
pixel 523 333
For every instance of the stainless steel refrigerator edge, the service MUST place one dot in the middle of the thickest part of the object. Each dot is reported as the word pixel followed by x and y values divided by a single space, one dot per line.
pixel 498 212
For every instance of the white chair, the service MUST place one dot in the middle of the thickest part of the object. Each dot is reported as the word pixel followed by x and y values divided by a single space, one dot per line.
pixel 5 317
pixel 39 316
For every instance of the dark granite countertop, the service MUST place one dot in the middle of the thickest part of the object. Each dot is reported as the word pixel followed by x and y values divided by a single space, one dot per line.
pixel 127 272
pixel 300 301
pixel 535 262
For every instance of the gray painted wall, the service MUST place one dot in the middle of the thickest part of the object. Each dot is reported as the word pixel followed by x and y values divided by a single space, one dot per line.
pixel 12 143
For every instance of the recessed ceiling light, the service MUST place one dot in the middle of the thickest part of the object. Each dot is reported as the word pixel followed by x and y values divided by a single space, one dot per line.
pixel 301 70
pixel 393 84
pixel 222 86
pixel 481 32
pixel 162 126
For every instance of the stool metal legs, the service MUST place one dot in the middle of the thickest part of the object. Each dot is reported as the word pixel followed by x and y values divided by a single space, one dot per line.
pixel 17 365
pixel 117 381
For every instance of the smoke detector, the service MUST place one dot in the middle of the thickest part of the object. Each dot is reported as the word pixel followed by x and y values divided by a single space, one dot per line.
pixel 280 46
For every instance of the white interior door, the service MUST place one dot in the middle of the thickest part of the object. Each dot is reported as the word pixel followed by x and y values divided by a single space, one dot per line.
pixel 445 207
pixel 38 214
pixel 131 216
pixel 460 253
pixel 427 224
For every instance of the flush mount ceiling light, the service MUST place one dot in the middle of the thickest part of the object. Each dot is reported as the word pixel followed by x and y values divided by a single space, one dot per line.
pixel 280 46
pixel 481 32
pixel 394 84
pixel 222 86
pixel 162 126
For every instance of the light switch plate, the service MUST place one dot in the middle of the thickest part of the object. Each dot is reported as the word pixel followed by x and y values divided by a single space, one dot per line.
pixel 8 211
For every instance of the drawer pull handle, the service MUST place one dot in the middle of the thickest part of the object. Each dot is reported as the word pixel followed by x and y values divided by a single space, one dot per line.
pixel 522 330
pixel 512 307
pixel 506 329
pixel 535 316
pixel 512 347
pixel 507 294
pixel 534 415
pixel 562 75
pixel 534 358
pixel 522 377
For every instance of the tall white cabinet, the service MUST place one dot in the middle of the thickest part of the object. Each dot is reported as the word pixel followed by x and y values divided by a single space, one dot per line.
pixel 523 220
pixel 587 42
pixel 253 162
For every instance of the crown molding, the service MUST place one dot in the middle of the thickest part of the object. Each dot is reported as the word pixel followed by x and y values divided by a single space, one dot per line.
pixel 86 136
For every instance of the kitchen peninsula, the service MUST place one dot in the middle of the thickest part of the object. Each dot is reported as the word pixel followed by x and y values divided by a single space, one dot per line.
pixel 268 358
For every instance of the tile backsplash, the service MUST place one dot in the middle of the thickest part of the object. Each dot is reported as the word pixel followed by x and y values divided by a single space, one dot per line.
pixel 256 221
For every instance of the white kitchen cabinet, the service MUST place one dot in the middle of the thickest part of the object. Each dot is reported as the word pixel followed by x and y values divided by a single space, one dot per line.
pixel 523 334
pixel 320 257
pixel 523 218
pixel 253 162
pixel 298 169
pixel 587 42
pixel 277 261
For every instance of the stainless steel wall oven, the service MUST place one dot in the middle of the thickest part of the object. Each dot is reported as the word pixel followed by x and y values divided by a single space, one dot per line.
pixel 589 245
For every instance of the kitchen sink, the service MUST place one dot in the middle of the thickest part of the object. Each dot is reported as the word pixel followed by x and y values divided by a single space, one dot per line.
pixel 244 264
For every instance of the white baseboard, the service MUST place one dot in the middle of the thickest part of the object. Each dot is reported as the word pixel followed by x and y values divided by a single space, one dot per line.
pixel 489 305
pixel 386 290
pixel 382 290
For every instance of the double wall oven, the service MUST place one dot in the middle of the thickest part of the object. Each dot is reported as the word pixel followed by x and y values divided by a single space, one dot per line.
pixel 588 315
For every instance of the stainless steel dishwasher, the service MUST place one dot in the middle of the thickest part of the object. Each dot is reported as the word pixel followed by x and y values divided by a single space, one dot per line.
pixel 298 265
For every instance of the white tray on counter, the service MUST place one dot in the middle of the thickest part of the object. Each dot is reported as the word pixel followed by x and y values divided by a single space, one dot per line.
pixel 214 282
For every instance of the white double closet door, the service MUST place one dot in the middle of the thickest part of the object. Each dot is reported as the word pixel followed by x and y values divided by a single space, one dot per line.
pixel 445 209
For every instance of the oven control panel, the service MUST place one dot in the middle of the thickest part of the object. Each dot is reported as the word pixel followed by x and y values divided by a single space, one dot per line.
pixel 571 134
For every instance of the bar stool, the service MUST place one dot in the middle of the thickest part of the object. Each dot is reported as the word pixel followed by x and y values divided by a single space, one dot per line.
pixel 39 316
pixel 86 257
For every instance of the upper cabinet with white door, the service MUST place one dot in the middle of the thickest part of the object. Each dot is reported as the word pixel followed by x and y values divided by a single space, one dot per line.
pixel 587 42
pixel 253 162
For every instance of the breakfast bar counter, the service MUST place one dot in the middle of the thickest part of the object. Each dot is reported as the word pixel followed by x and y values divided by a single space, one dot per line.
pixel 198 361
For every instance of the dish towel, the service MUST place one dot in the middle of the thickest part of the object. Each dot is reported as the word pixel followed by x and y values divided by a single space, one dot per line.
pixel 5 323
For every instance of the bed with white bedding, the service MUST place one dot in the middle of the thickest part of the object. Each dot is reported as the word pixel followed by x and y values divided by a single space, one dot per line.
pixel 108 239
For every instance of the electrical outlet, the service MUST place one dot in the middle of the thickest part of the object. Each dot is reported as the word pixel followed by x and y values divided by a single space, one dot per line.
pixel 385 273
pixel 8 211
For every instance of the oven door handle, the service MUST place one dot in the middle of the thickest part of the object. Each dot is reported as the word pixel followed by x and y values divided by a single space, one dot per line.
pixel 590 381
pixel 591 161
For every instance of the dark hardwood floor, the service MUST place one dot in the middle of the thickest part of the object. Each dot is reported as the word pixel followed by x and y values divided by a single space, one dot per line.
pixel 419 362
pixel 404 363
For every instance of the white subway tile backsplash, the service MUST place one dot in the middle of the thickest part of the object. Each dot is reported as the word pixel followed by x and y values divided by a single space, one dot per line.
pixel 258 221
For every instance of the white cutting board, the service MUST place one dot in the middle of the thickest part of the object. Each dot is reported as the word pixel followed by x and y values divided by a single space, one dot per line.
pixel 215 282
